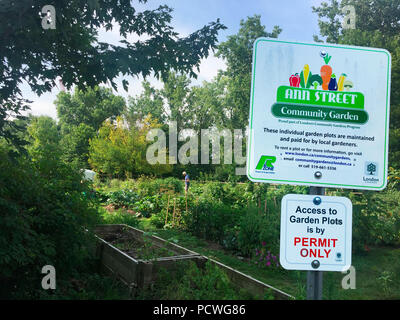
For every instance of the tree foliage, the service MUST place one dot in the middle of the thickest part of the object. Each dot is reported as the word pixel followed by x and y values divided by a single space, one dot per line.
pixel 377 25
pixel 238 53
pixel 81 114
pixel 148 102
pixel 119 151
pixel 75 145
pixel 73 52
pixel 91 106
pixel 44 138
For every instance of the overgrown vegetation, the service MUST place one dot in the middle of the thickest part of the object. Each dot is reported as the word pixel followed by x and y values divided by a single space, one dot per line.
pixel 242 216
pixel 187 281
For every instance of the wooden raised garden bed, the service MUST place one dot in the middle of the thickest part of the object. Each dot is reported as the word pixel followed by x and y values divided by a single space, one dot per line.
pixel 135 258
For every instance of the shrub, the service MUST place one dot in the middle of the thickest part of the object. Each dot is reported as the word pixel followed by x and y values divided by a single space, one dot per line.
pixel 147 205
pixel 115 184
pixel 122 198
pixel 148 187
pixel 157 220
pixel 256 228
pixel 43 216
pixel 230 240
pixel 376 219
pixel 209 220
pixel 129 184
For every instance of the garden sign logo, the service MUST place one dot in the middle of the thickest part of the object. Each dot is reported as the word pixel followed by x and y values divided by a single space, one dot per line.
pixel 334 103
pixel 266 163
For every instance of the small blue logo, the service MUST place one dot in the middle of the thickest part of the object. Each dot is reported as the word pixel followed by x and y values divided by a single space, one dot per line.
pixel 371 168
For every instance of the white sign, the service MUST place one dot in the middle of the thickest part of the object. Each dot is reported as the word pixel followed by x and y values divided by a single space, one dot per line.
pixel 315 233
pixel 319 115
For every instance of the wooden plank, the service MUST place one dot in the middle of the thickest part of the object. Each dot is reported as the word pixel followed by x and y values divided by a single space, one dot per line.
pixel 139 234
pixel 254 286
pixel 123 265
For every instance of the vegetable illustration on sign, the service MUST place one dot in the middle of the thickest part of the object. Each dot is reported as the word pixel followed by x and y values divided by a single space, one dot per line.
pixel 294 80
pixel 304 76
pixel 341 82
pixel 326 70
pixel 316 81
pixel 348 85
pixel 332 83
pixel 304 99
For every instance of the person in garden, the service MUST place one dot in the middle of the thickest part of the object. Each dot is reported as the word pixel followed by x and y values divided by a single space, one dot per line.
pixel 187 181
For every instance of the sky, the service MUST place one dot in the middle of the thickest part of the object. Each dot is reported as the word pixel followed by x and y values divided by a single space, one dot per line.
pixel 295 17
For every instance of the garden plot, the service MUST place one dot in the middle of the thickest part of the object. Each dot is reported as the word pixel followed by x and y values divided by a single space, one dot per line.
pixel 142 249
pixel 136 258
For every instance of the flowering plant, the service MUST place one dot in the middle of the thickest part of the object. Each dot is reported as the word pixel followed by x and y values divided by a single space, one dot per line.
pixel 264 258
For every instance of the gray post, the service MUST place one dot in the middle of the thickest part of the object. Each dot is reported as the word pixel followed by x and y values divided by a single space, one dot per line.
pixel 314 278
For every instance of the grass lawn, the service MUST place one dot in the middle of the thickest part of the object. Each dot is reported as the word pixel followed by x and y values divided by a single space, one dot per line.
pixel 377 271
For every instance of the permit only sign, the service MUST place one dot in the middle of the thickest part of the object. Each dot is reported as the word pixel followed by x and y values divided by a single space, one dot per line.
pixel 319 115
pixel 316 233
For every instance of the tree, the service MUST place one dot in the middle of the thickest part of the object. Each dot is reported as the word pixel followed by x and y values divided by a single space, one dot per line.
pixel 330 26
pixel 238 53
pixel 91 107
pixel 206 103
pixel 377 25
pixel 43 218
pixel 30 53
pixel 121 151
pixel 149 102
pixel 44 138
pixel 110 152
pixel 75 145
pixel 81 114
pixel 176 93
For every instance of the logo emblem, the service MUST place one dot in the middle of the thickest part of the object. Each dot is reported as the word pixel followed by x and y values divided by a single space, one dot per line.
pixel 371 168
pixel 266 163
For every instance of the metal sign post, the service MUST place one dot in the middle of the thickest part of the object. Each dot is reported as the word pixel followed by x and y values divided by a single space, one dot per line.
pixel 314 285
pixel 314 278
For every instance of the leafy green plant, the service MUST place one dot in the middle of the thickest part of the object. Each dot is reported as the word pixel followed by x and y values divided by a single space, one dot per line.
pixel 118 217
pixel 122 198
pixel 385 279
pixel 146 205
pixel 44 214
pixel 209 220
pixel 375 218
pixel 188 281
pixel 256 228
pixel 153 187
pixel 230 240
pixel 157 220
pixel 394 179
